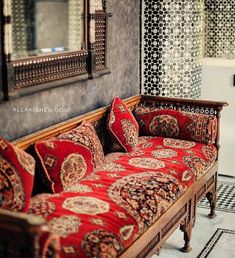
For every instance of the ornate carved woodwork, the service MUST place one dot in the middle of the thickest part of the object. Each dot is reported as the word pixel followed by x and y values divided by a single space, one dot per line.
pixel 30 72
pixel 100 39
pixel 18 74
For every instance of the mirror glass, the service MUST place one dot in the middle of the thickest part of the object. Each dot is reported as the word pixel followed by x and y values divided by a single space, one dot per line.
pixel 42 27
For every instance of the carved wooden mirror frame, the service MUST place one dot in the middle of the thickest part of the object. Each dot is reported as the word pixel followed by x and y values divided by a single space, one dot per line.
pixel 32 74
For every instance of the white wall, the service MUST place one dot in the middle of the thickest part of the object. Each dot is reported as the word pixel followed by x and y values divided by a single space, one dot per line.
pixel 217 84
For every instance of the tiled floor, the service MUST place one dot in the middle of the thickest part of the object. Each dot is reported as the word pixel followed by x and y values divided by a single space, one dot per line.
pixel 222 227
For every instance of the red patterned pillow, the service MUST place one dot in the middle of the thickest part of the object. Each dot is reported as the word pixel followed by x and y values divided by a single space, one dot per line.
pixel 16 177
pixel 203 128
pixel 162 122
pixel 176 124
pixel 85 134
pixel 122 125
pixel 64 162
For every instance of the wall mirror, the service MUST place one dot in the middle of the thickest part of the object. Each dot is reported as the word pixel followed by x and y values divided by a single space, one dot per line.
pixel 43 42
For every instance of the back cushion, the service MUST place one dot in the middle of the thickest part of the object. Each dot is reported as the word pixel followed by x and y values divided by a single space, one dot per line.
pixel 64 163
pixel 85 134
pixel 177 124
pixel 16 177
pixel 122 125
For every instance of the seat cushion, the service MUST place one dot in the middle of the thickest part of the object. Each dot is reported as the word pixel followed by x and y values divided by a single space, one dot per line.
pixel 115 204
pixel 16 177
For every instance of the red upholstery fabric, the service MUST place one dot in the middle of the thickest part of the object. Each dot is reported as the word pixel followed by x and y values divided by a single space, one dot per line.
pixel 85 134
pixel 122 125
pixel 16 177
pixel 118 202
pixel 64 163
pixel 176 124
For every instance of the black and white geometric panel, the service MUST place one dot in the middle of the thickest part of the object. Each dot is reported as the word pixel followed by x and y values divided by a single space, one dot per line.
pixel 220 29
pixel 225 198
pixel 172 34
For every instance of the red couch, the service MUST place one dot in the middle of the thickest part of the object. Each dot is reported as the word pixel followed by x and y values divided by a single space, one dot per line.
pixel 157 165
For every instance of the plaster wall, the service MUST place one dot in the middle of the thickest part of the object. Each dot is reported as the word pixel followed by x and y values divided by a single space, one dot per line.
pixel 19 116
pixel 217 84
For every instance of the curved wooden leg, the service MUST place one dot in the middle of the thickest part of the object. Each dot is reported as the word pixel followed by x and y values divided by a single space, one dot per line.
pixel 157 251
pixel 211 197
pixel 187 230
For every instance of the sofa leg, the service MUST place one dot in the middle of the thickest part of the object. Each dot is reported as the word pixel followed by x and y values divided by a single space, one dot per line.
pixel 211 197
pixel 187 230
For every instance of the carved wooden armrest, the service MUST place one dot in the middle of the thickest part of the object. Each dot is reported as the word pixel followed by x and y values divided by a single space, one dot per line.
pixel 190 105
pixel 22 235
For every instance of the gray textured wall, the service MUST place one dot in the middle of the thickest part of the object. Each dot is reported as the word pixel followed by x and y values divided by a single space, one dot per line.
pixel 77 98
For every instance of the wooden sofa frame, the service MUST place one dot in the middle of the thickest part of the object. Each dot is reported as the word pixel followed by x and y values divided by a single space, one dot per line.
pixel 20 233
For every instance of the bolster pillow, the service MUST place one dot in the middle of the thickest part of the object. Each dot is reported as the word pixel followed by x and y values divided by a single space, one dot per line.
pixel 176 124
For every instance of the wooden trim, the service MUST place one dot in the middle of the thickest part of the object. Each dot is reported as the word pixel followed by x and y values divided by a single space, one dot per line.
pixel 185 101
pixel 156 229
pixel 67 125
pixel 37 70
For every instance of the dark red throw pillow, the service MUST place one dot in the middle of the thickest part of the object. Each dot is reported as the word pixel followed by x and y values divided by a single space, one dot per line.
pixel 16 177
pixel 162 122
pixel 85 134
pixel 122 125
pixel 177 124
pixel 64 162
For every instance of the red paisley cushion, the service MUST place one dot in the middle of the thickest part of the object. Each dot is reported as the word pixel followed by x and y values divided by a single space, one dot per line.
pixel 176 124
pixel 64 163
pixel 16 177
pixel 85 134
pixel 122 125
pixel 120 200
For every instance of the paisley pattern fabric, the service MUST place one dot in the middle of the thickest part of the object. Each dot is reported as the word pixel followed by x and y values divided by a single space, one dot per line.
pixel 161 122
pixel 164 125
pixel 118 201
pixel 202 128
pixel 40 208
pixel 101 243
pixel 164 153
pixel 65 225
pixel 25 160
pixel 122 125
pixel 73 169
pixel 148 163
pixel 145 196
pixel 130 132
pixel 65 164
pixel 179 144
pixel 86 205
pixel 12 190
pixel 16 177
pixel 85 134
pixel 177 124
